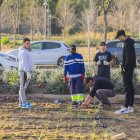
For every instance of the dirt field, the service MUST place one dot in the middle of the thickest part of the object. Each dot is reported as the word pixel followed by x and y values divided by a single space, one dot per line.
pixel 49 121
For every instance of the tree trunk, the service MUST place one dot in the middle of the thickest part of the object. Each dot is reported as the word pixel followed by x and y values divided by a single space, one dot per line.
pixel 14 39
pixel 31 30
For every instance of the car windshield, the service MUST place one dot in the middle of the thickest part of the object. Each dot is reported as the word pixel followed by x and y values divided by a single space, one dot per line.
pixel 8 57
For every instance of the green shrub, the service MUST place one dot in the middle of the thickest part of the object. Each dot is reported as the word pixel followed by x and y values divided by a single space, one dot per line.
pixel 5 40
pixel 55 83
pixel 50 81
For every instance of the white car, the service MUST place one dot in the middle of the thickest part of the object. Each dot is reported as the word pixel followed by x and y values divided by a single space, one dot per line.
pixel 47 52
pixel 8 61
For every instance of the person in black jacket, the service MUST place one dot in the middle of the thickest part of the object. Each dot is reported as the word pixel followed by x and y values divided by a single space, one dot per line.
pixel 101 88
pixel 128 65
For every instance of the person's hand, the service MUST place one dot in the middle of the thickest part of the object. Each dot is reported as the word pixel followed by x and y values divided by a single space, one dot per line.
pixel 112 62
pixel 106 63
pixel 28 76
pixel 99 62
pixel 82 77
pixel 87 102
pixel 84 105
pixel 123 70
pixel 65 78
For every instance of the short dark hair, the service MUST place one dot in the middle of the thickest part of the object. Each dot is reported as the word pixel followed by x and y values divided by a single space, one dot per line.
pixel 102 44
pixel 87 79
pixel 26 39
pixel 120 33
pixel 73 47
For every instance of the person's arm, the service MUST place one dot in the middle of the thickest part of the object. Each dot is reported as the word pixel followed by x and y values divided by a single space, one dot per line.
pixel 96 58
pixel 91 95
pixel 94 88
pixel 66 66
pixel 82 65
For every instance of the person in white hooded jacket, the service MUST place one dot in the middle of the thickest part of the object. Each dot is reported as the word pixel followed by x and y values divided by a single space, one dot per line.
pixel 25 67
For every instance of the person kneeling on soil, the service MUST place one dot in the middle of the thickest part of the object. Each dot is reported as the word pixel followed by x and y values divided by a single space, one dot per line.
pixel 101 88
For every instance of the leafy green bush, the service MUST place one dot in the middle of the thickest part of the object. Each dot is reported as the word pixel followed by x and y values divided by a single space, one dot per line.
pixel 51 81
pixel 117 79
pixel 54 82
pixel 5 40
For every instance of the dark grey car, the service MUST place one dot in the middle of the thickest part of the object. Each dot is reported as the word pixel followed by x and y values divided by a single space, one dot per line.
pixel 116 49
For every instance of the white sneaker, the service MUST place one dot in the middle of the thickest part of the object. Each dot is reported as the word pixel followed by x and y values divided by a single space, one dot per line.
pixel 123 110
pixel 130 109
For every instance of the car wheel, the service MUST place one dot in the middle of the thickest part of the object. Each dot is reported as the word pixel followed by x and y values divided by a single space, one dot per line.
pixel 60 62
pixel 116 63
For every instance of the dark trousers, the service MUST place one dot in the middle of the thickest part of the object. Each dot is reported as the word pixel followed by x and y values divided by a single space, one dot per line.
pixel 75 85
pixel 76 89
pixel 129 88
pixel 103 94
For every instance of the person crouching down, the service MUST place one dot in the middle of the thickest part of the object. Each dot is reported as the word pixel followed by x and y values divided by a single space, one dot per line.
pixel 101 88
pixel 74 66
pixel 24 69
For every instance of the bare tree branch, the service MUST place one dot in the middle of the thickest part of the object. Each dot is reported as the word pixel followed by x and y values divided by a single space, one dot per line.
pixel 67 17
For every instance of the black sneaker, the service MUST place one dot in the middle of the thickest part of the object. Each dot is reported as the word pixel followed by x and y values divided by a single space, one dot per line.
pixel 74 103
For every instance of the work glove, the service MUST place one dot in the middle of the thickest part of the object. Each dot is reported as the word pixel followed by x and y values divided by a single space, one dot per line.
pixel 28 76
pixel 65 78
pixel 99 62
pixel 106 63
pixel 82 77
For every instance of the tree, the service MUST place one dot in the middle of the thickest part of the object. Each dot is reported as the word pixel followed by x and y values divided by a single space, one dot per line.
pixel 106 5
pixel 92 12
pixel 1 1
pixel 13 16
pixel 124 15
pixel 34 17
pixel 66 17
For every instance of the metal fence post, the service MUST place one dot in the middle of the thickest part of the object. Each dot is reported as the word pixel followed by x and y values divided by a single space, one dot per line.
pixel 139 26
pixel 88 23
pixel 45 19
